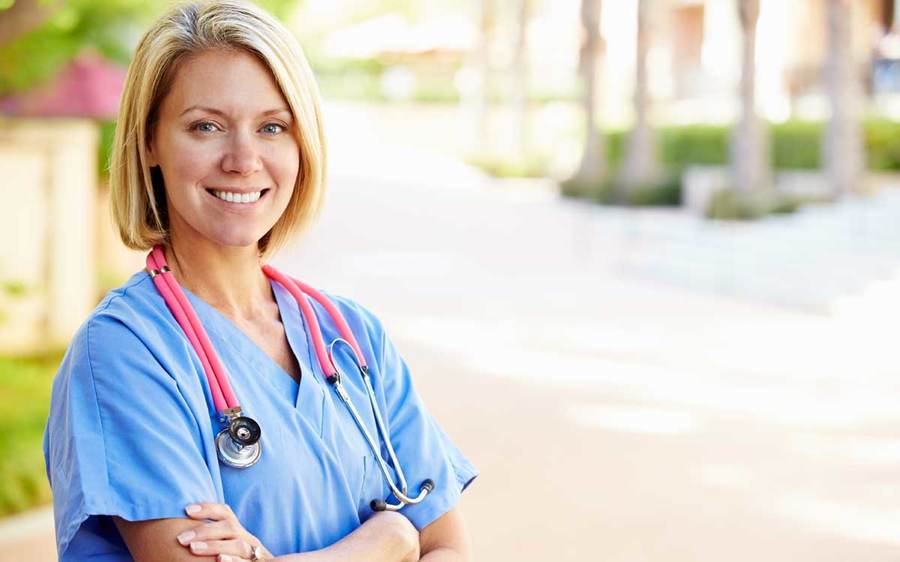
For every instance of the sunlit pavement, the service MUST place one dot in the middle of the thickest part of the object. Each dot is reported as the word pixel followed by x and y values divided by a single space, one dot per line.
pixel 617 412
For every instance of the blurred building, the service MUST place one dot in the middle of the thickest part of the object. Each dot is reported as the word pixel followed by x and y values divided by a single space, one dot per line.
pixel 88 86
pixel 48 155
pixel 694 61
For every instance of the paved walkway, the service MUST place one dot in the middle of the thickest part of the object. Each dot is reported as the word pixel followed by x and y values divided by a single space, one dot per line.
pixel 615 415
pixel 814 261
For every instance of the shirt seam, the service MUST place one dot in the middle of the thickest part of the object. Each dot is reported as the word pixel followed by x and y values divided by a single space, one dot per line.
pixel 97 406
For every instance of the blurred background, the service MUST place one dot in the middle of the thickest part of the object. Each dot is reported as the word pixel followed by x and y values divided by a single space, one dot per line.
pixel 642 255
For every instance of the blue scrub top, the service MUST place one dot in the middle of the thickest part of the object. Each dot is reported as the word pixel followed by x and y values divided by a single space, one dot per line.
pixel 131 429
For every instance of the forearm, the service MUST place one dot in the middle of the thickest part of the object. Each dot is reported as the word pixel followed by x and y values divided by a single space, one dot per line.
pixel 444 555
pixel 446 539
pixel 377 540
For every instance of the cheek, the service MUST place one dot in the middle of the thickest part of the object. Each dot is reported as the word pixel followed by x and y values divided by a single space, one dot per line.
pixel 186 162
pixel 285 164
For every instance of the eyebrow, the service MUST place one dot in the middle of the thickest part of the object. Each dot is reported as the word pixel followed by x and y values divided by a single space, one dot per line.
pixel 223 114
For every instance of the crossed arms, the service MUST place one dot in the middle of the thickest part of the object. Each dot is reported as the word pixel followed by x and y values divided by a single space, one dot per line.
pixel 385 537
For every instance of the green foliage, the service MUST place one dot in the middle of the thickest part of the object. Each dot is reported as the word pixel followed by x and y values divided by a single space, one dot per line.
pixel 104 148
pixel 882 144
pixel 578 190
pixel 534 166
pixel 696 144
pixel 109 26
pixel 730 204
pixel 24 400
pixel 665 193
pixel 112 27
pixel 794 145
pixel 14 289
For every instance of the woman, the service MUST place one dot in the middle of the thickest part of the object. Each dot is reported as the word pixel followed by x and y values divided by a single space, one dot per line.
pixel 219 159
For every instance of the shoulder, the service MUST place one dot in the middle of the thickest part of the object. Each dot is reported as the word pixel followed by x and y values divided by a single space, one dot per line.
pixel 365 325
pixel 128 323
pixel 136 307
pixel 356 314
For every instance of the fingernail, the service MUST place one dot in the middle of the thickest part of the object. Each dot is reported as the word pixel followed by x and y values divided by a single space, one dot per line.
pixel 224 558
pixel 193 508
pixel 198 546
pixel 185 538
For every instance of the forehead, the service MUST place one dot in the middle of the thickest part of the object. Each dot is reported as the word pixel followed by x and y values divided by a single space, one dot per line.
pixel 227 80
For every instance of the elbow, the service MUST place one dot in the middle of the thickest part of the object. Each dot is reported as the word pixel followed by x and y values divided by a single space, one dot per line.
pixel 406 540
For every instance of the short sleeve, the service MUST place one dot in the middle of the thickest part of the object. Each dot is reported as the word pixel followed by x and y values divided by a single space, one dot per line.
pixel 121 440
pixel 423 449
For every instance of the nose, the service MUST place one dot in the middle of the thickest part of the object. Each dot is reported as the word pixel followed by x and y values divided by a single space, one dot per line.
pixel 242 157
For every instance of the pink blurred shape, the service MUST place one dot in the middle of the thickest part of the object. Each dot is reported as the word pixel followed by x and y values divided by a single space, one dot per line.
pixel 88 86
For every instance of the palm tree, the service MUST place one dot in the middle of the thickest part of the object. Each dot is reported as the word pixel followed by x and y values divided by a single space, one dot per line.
pixel 520 80
pixel 592 167
pixel 749 154
pixel 479 103
pixel 641 166
pixel 843 145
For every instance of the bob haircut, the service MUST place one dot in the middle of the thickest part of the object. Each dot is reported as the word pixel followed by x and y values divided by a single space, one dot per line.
pixel 138 198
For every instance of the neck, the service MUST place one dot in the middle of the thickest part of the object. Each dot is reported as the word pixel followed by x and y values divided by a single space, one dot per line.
pixel 228 278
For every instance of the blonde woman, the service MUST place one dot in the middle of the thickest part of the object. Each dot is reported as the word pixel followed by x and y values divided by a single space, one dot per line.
pixel 200 412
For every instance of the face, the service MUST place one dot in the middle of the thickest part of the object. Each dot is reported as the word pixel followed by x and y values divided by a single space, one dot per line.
pixel 224 144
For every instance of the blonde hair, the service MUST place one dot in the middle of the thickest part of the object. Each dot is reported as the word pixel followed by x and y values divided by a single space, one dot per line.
pixel 137 194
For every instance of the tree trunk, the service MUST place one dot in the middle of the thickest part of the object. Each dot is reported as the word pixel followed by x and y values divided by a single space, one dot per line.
pixel 749 150
pixel 592 168
pixel 479 102
pixel 520 81
pixel 843 145
pixel 641 166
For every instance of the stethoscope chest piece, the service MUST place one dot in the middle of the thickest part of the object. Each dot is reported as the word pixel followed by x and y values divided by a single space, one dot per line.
pixel 238 444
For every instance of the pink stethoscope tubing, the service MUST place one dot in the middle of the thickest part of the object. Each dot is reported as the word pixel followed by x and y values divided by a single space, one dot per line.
pixel 223 397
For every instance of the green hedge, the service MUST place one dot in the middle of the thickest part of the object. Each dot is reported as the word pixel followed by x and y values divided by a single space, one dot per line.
pixel 664 193
pixel 25 401
pixel 730 204
pixel 794 145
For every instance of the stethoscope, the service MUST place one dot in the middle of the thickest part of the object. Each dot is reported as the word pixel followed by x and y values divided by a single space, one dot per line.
pixel 237 444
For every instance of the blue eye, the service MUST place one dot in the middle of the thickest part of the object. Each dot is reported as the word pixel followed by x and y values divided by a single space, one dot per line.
pixel 273 128
pixel 205 127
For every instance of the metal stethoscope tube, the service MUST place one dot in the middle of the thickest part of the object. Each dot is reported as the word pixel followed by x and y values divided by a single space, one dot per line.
pixel 401 491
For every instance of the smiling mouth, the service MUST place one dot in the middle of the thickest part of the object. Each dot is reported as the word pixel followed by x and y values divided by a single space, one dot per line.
pixel 238 198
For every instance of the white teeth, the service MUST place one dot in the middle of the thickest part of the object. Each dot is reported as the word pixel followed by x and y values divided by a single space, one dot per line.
pixel 232 197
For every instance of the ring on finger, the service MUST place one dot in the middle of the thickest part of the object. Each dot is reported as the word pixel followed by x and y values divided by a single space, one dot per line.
pixel 256 553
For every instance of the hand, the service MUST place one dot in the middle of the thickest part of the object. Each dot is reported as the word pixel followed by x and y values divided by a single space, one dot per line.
pixel 223 536
pixel 394 524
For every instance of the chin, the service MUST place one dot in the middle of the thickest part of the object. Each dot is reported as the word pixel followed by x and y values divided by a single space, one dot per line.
pixel 237 240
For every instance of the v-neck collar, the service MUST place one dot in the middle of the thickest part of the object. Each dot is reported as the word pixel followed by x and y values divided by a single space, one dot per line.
pixel 292 320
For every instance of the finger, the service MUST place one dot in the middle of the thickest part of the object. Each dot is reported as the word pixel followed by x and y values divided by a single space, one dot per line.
pixel 213 511
pixel 217 530
pixel 226 558
pixel 236 548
